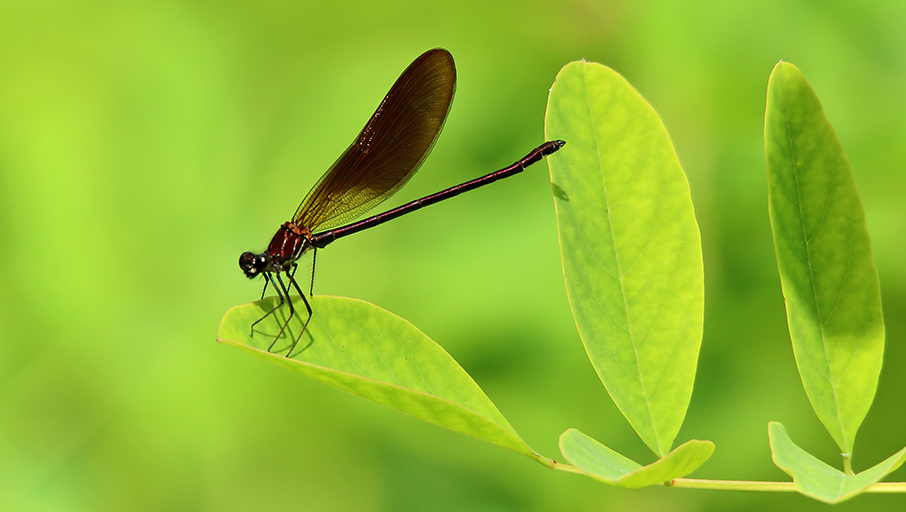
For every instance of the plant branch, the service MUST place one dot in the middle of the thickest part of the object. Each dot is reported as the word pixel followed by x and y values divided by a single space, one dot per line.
pixel 744 485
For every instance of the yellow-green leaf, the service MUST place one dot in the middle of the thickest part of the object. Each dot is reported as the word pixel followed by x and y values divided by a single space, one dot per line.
pixel 602 463
pixel 816 479
pixel 830 285
pixel 630 247
pixel 365 350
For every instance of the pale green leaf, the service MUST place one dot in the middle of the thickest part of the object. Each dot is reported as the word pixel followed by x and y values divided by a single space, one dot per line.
pixel 365 350
pixel 630 247
pixel 816 479
pixel 833 300
pixel 602 463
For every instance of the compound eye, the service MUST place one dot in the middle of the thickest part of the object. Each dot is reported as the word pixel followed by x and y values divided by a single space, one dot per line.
pixel 246 260
pixel 252 264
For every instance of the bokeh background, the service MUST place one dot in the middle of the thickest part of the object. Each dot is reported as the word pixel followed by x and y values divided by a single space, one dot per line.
pixel 145 145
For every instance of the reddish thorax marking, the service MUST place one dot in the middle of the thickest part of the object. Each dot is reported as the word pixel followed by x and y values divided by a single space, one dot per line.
pixel 287 245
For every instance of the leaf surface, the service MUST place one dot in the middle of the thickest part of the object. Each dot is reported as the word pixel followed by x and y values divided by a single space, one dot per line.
pixel 630 247
pixel 602 463
pixel 830 285
pixel 360 348
pixel 818 480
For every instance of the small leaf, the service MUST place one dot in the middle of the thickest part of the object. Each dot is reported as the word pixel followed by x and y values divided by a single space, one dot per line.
pixel 365 350
pixel 816 479
pixel 630 247
pixel 602 463
pixel 830 285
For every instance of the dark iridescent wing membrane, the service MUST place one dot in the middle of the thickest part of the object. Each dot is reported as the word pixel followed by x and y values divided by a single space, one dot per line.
pixel 391 147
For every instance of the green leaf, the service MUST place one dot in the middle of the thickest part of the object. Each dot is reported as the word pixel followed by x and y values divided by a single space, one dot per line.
pixel 816 479
pixel 630 247
pixel 365 350
pixel 833 300
pixel 602 463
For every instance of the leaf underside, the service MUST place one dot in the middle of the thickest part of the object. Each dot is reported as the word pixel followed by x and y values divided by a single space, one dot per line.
pixel 630 247
pixel 829 281
pixel 358 347
pixel 818 480
pixel 602 463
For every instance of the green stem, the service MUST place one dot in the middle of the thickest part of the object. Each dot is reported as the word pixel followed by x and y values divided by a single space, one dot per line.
pixel 847 463
pixel 557 466
pixel 566 467
pixel 730 485
pixel 743 485
pixel 734 485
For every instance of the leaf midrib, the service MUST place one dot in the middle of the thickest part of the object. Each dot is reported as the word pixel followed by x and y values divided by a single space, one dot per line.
pixel 619 271
pixel 808 257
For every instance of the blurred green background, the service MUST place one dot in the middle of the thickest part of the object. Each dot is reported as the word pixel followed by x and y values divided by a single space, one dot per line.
pixel 145 145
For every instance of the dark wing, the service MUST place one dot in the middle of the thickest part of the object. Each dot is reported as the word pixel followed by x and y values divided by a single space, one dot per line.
pixel 391 147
